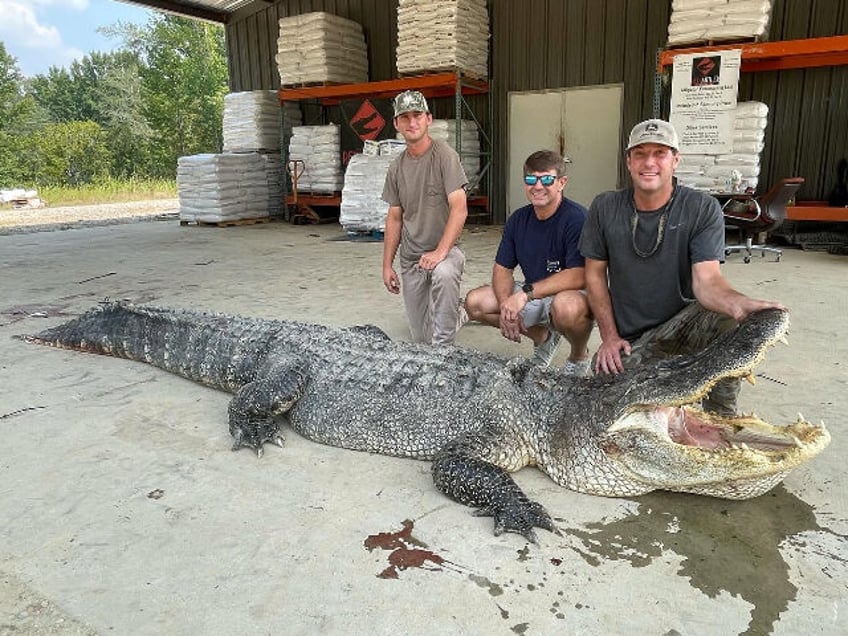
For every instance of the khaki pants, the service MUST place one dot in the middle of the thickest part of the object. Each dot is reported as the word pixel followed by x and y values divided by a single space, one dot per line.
pixel 688 331
pixel 431 299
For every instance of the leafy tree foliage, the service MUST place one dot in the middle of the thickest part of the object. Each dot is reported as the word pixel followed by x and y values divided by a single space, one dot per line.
pixel 71 153
pixel 183 76
pixel 129 113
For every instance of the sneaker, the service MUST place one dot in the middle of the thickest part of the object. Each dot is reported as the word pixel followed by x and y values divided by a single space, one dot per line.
pixel 578 369
pixel 544 353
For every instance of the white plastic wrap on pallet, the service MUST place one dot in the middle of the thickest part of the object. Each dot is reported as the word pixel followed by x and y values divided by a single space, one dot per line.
pixel 222 187
pixel 738 170
pixel 321 47
pixel 362 208
pixel 442 35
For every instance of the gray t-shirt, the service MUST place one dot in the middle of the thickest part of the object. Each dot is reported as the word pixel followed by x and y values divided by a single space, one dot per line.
pixel 420 187
pixel 647 290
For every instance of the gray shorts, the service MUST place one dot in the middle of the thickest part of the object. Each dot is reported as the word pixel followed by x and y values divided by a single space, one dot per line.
pixel 535 312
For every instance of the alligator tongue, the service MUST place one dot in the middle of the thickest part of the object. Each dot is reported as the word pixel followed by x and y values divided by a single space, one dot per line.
pixel 685 428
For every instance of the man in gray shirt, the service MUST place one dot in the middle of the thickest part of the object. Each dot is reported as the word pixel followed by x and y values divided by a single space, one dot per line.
pixel 653 255
pixel 425 190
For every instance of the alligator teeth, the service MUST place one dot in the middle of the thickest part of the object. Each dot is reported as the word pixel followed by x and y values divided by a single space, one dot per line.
pixel 797 442
pixel 744 446
pixel 784 340
pixel 801 417
pixel 751 379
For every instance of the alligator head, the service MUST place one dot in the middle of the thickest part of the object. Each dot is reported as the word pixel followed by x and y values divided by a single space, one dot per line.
pixel 656 440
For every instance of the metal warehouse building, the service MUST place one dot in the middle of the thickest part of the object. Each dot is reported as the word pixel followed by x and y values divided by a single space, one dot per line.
pixel 576 75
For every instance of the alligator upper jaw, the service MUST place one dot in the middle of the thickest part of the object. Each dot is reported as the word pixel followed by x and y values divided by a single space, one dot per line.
pixel 687 379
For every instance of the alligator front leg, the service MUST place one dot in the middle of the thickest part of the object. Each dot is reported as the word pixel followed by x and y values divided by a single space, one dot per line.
pixel 254 409
pixel 483 485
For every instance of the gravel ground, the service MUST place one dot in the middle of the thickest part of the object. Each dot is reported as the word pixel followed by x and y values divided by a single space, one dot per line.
pixel 44 219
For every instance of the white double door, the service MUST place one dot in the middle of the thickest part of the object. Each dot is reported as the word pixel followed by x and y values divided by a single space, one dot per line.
pixel 583 123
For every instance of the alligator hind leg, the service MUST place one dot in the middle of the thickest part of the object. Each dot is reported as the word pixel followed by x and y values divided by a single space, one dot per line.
pixel 254 409
pixel 489 488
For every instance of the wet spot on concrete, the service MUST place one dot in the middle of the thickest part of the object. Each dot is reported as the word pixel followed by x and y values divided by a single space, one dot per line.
pixel 730 546
pixel 493 588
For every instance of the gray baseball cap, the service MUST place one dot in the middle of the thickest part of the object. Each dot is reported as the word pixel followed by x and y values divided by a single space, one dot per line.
pixel 410 101
pixel 654 131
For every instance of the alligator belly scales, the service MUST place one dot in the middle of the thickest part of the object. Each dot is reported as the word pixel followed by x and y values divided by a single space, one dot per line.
pixel 476 416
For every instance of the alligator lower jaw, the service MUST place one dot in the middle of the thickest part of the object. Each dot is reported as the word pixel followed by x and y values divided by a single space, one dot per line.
pixel 685 449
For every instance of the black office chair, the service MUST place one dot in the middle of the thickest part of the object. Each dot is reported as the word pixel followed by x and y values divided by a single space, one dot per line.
pixel 760 214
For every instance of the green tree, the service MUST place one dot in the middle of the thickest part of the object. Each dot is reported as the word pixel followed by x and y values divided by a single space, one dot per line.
pixel 71 153
pixel 131 112
pixel 18 117
pixel 10 88
pixel 128 133
pixel 184 80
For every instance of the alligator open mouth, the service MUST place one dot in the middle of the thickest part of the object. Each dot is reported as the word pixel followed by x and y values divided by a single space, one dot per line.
pixel 686 449
pixel 668 443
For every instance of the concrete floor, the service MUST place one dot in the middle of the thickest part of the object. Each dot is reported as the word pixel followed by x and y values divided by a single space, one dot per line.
pixel 124 511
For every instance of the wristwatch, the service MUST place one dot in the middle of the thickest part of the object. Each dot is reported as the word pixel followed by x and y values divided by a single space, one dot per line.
pixel 528 289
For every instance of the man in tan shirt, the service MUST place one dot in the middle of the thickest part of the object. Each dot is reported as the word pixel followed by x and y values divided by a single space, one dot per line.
pixel 425 190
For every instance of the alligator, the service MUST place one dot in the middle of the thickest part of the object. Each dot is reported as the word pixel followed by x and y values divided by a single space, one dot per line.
pixel 475 415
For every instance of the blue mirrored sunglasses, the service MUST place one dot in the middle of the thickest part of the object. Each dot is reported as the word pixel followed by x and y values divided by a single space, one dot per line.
pixel 546 179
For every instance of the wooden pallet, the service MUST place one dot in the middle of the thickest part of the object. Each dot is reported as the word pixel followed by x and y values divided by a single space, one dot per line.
pixel 713 42
pixel 313 85
pixel 229 223
pixel 462 73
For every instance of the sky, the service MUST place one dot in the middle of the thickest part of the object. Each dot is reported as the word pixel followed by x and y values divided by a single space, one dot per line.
pixel 45 33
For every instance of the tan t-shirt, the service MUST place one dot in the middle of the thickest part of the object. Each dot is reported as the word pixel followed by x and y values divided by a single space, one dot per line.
pixel 420 187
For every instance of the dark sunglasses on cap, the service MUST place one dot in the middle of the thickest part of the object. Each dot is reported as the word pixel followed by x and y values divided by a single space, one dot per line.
pixel 546 179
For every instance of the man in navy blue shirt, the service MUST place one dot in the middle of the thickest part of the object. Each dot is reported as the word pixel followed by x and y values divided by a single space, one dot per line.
pixel 542 239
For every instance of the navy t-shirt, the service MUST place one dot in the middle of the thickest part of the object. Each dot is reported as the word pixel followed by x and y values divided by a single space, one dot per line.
pixel 542 248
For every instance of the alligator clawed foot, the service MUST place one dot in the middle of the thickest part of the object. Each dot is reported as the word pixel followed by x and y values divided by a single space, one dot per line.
pixel 255 433
pixel 520 517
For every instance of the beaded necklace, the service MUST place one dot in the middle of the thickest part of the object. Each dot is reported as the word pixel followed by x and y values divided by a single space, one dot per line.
pixel 660 229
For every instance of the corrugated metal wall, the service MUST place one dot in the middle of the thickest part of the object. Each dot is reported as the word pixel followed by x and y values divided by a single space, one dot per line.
pixel 542 44
pixel 252 37
pixel 539 44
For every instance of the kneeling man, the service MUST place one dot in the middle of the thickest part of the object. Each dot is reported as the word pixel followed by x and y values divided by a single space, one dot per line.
pixel 542 239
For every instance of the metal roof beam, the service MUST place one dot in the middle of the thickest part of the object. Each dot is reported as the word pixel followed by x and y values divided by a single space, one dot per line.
pixel 183 8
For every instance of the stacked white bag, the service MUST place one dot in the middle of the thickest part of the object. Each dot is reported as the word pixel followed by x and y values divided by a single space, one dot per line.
pixel 443 35
pixel 362 208
pixel 736 171
pixel 695 21
pixel 251 121
pixel 445 130
pixel 318 148
pixel 321 47
pixel 215 188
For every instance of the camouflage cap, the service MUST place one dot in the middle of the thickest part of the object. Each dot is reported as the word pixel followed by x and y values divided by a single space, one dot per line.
pixel 410 101
pixel 653 131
